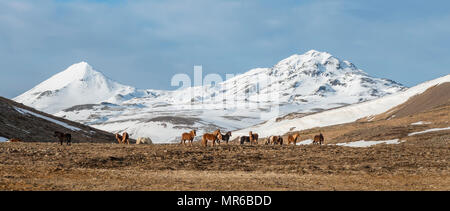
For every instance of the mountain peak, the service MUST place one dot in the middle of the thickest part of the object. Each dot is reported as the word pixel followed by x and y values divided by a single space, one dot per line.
pixel 81 64
pixel 315 52
pixel 78 71
pixel 312 58
pixel 78 84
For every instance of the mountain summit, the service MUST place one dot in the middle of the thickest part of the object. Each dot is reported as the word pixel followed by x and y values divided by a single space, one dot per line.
pixel 78 84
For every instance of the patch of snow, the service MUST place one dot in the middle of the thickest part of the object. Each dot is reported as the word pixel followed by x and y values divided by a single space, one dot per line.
pixel 305 142
pixel 363 143
pixel 25 112
pixel 420 123
pixel 428 131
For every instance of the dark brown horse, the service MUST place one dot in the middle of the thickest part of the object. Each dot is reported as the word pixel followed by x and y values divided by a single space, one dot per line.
pixel 188 137
pixel 63 137
pixel 119 138
pixel 122 138
pixel 318 139
pixel 226 137
pixel 244 139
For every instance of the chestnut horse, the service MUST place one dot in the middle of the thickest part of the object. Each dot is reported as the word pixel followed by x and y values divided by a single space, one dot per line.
pixel 318 139
pixel 216 133
pixel 293 138
pixel 188 137
pixel 63 137
pixel 211 137
pixel 122 138
pixel 253 137
pixel 14 140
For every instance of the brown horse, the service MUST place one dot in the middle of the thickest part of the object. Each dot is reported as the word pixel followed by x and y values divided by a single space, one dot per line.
pixel 217 133
pixel 275 140
pixel 14 140
pixel 188 137
pixel 63 137
pixel 253 137
pixel 318 139
pixel 293 138
pixel 210 137
pixel 122 138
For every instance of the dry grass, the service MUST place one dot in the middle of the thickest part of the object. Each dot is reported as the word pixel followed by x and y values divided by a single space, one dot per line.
pixel 48 166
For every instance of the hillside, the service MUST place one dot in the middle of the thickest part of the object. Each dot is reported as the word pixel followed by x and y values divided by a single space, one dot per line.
pixel 348 114
pixel 30 125
pixel 430 126
pixel 433 97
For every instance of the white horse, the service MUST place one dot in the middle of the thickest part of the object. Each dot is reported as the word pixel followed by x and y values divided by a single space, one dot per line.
pixel 144 140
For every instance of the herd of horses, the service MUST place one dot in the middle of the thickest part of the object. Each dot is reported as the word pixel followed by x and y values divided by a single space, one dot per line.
pixel 213 137
pixel 252 138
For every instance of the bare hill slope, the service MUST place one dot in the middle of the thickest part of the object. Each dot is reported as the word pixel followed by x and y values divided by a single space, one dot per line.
pixel 29 125
pixel 433 97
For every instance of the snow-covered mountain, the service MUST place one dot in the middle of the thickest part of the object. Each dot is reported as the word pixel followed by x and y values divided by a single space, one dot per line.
pixel 304 83
pixel 78 84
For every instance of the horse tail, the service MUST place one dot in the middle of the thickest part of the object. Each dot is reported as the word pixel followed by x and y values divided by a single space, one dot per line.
pixel 204 141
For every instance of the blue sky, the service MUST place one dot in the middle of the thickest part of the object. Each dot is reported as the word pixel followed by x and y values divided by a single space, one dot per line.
pixel 144 43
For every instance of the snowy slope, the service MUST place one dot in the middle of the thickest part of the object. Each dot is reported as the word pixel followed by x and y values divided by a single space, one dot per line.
pixel 305 83
pixel 341 115
pixel 27 112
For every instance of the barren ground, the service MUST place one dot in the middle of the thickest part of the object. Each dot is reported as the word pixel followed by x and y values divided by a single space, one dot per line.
pixel 412 165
